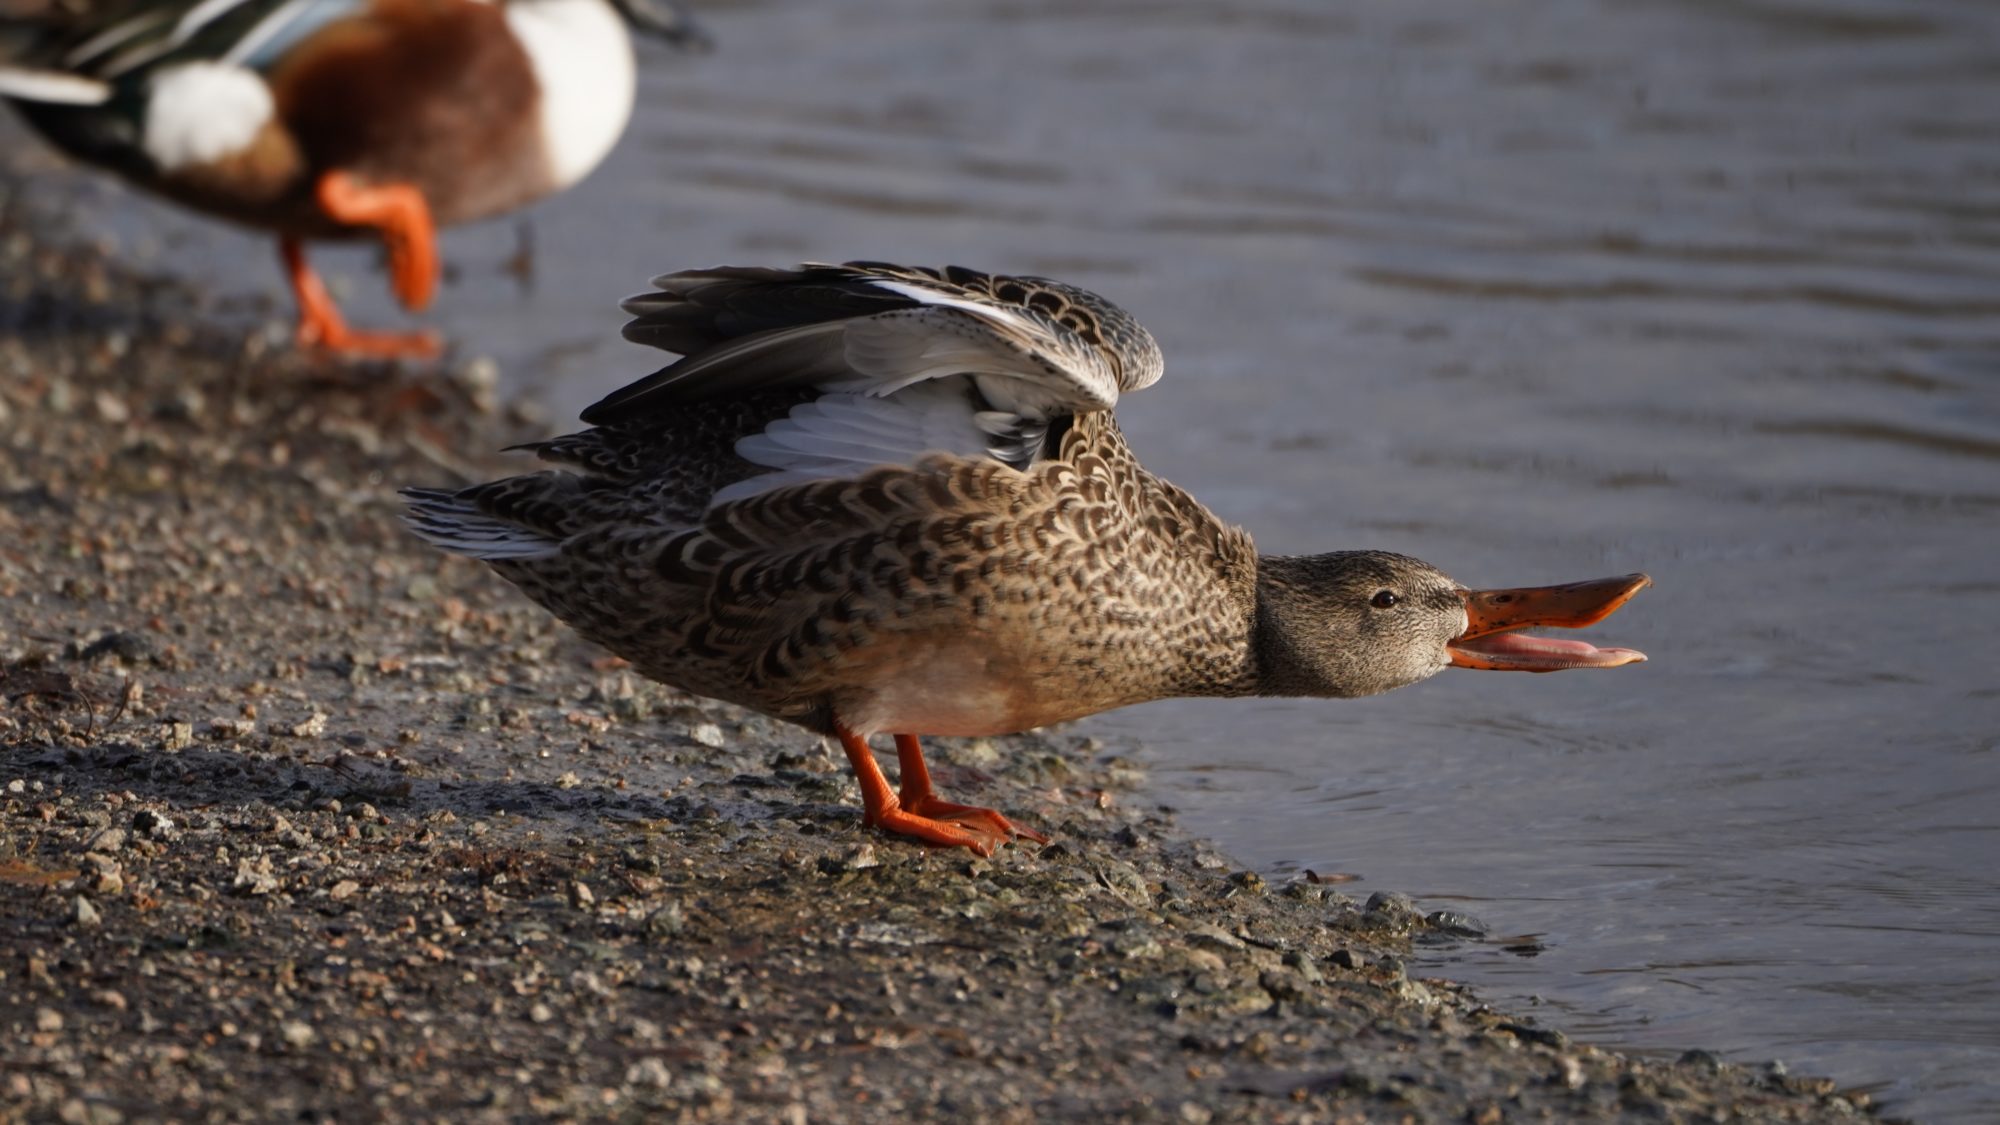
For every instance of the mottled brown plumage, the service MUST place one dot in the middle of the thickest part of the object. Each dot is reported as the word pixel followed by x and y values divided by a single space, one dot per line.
pixel 802 517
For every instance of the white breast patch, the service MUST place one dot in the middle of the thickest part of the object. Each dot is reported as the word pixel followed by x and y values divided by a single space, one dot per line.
pixel 583 62
pixel 201 112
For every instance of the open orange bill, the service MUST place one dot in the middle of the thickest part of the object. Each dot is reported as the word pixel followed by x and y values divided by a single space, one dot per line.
pixel 1492 639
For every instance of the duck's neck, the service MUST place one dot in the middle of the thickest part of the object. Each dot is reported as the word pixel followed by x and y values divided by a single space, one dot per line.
pixel 1291 649
pixel 1256 662
pixel 1270 666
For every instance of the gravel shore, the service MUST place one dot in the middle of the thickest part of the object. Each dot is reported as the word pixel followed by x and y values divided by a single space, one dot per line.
pixel 300 819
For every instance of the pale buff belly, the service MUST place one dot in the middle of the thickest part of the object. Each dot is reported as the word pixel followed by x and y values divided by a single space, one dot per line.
pixel 963 684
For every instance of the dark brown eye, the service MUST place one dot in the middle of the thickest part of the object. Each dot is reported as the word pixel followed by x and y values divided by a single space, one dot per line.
pixel 1383 599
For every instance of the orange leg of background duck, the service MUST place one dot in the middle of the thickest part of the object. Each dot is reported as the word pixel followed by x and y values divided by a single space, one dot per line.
pixel 404 219
pixel 918 812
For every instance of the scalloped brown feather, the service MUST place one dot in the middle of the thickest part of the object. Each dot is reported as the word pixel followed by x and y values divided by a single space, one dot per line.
pixel 1083 585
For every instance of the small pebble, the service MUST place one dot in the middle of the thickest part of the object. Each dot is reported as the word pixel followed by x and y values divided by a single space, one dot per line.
pixel 651 1073
pixel 255 877
pixel 1569 1073
pixel 223 729
pixel 666 922
pixel 1455 923
pixel 1544 1036
pixel 1708 1062
pixel 1392 903
pixel 157 825
pixel 859 857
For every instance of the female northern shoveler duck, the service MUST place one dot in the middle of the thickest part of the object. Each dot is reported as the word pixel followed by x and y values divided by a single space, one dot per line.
pixel 332 118
pixel 874 499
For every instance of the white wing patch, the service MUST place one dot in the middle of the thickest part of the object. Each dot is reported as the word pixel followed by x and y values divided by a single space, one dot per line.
pixel 201 112
pixel 845 435
pixel 981 309
pixel 51 87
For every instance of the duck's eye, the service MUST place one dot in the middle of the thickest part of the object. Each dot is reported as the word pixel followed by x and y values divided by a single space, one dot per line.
pixel 1383 599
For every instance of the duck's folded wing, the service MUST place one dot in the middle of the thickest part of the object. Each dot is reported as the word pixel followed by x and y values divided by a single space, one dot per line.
pixel 1031 347
pixel 246 33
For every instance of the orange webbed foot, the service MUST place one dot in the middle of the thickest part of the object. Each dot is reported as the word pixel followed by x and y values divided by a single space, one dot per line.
pixel 370 345
pixel 981 837
pixel 918 799
pixel 973 818
pixel 918 812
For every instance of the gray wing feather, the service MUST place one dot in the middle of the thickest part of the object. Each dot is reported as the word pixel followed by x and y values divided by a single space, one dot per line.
pixel 897 363
pixel 853 330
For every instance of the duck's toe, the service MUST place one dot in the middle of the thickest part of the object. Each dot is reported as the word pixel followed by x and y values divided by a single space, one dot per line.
pixel 341 340
pixel 973 818
pixel 982 838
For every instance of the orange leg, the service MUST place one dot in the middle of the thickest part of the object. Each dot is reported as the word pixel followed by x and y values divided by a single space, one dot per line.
pixel 399 212
pixel 953 825
pixel 321 325
pixel 918 798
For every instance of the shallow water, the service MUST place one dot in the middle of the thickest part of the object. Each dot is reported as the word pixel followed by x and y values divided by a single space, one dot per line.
pixel 1706 288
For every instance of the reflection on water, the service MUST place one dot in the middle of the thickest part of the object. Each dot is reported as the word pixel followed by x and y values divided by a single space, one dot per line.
pixel 1537 292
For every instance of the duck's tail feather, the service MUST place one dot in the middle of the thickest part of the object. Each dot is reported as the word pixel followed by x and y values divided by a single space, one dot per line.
pixel 449 521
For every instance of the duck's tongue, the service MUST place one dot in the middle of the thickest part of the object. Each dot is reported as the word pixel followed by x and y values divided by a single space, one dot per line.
pixel 1489 640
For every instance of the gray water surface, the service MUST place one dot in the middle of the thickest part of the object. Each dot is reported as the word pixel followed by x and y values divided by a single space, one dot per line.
pixel 1535 291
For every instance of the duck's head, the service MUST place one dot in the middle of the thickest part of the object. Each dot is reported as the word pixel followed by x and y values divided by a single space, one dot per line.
pixel 1361 622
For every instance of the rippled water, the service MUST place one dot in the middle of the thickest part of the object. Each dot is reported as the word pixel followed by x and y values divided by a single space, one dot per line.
pixel 1708 288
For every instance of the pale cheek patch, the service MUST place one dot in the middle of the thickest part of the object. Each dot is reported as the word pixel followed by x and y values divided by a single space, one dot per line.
pixel 203 112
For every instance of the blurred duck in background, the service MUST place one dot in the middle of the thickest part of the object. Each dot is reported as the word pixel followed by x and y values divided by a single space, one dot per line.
pixel 344 118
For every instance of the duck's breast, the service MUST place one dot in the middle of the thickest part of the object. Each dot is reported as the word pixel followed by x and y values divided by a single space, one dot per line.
pixel 439 95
